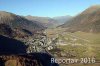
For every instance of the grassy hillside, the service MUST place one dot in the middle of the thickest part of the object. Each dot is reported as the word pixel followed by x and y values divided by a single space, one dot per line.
pixel 87 21
pixel 16 21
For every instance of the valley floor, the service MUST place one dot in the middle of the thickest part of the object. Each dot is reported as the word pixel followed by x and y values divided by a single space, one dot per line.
pixel 76 45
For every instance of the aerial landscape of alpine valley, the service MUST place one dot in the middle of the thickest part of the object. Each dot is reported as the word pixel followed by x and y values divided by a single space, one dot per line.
pixel 49 33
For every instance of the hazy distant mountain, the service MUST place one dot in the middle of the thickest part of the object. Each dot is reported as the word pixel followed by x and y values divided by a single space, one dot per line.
pixel 16 21
pixel 49 22
pixel 62 19
pixel 46 21
pixel 88 21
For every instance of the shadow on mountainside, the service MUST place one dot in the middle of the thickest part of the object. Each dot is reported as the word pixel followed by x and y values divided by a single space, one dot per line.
pixel 45 59
pixel 11 49
pixel 11 46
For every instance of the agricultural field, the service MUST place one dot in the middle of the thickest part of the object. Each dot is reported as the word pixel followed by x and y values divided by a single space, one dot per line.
pixel 76 45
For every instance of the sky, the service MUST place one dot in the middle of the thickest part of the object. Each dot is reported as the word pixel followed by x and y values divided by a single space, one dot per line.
pixel 46 8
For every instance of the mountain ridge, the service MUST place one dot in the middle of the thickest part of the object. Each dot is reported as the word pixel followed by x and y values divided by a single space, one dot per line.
pixel 17 21
pixel 87 21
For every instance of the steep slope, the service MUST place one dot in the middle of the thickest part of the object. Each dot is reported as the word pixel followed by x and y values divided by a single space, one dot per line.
pixel 6 30
pixel 16 21
pixel 46 21
pixel 87 21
